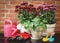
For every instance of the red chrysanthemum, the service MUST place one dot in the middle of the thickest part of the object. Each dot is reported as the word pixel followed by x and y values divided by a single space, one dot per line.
pixel 17 6
pixel 31 5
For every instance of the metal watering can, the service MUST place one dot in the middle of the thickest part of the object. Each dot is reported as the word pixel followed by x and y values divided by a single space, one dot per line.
pixel 7 28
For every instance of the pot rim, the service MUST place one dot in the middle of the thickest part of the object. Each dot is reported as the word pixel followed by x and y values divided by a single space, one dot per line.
pixel 51 25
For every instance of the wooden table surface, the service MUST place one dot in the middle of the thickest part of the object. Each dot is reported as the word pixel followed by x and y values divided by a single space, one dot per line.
pixel 56 36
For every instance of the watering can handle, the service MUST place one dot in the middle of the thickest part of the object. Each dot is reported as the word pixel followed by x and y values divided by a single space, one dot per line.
pixel 8 21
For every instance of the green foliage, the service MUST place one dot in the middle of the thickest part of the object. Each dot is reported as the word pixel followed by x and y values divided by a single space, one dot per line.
pixel 32 17
pixel 31 22
pixel 48 17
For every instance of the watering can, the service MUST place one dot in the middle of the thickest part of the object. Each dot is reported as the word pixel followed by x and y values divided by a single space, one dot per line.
pixel 7 28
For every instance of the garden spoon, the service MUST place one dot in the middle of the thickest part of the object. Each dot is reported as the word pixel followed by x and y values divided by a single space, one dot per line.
pixel 45 39
pixel 51 39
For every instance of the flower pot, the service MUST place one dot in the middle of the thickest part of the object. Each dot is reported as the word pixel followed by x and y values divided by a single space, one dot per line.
pixel 36 35
pixel 50 27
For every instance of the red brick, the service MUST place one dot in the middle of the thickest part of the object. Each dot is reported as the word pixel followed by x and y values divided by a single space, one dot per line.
pixel 57 25
pixel 11 15
pixel 58 22
pixel 36 2
pixel 13 18
pixel 7 17
pixel 49 2
pixel 7 0
pixel 57 7
pixel 57 29
pixel 1 26
pixel 4 2
pixel 1 22
pixel 57 11
pixel 15 22
pixel 15 2
pixel 3 11
pixel 57 2
pixel 1 0
pixel 12 11
pixel 10 7
pixel 57 18
pixel 2 7
pixel 2 15
pixel 46 0
pixel 57 15
pixel 2 18
pixel 1 30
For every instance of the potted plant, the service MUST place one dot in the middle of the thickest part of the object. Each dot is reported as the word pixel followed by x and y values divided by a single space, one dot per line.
pixel 30 18
pixel 48 15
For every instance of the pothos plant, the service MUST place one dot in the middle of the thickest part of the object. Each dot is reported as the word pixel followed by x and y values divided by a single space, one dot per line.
pixel 29 16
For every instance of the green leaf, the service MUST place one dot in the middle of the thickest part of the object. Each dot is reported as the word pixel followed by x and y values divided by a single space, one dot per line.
pixel 34 27
pixel 42 25
pixel 31 24
pixel 45 21
pixel 36 19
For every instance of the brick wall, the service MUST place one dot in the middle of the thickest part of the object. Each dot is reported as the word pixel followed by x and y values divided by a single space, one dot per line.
pixel 7 10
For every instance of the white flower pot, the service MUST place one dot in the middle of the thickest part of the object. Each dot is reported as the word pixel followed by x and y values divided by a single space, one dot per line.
pixel 50 27
pixel 36 35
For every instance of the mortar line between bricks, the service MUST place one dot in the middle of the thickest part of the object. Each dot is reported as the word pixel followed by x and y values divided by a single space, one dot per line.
pixel 57 17
pixel 5 9
pixel 7 13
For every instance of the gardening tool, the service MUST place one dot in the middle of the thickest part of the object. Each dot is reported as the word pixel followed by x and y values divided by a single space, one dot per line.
pixel 51 39
pixel 45 39
pixel 7 28
pixel 14 31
